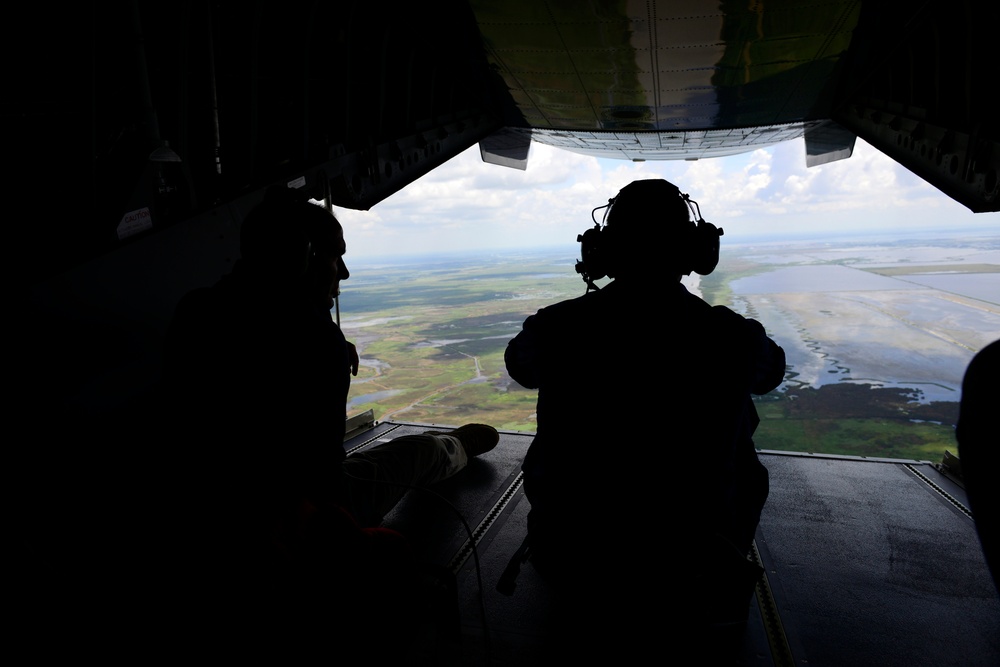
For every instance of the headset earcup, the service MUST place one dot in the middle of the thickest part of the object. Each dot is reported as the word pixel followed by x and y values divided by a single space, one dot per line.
pixel 593 262
pixel 705 248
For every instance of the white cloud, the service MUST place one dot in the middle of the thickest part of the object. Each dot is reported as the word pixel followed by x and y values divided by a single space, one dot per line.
pixel 467 204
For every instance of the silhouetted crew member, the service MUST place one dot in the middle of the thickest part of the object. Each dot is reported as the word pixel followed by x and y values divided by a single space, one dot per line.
pixel 642 477
pixel 276 530
pixel 257 374
pixel 979 449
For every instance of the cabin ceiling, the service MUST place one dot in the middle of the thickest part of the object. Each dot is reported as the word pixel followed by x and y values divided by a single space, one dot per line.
pixel 353 101
pixel 667 80
pixel 689 79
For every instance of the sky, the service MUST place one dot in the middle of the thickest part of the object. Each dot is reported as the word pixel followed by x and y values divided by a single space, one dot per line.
pixel 469 205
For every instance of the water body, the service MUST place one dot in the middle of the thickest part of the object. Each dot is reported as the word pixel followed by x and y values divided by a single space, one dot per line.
pixel 374 397
pixel 828 278
pixel 838 319
pixel 841 323
pixel 982 286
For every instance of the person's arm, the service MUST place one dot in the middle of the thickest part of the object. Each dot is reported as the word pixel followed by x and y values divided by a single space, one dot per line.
pixel 769 366
pixel 353 358
pixel 522 353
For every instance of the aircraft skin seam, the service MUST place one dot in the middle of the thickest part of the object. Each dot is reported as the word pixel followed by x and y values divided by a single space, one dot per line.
pixel 484 526
pixel 380 436
pixel 777 639
pixel 947 496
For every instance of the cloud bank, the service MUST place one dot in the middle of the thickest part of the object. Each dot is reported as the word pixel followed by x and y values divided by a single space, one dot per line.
pixel 467 204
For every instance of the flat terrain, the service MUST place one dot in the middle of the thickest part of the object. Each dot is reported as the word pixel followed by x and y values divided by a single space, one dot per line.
pixel 877 336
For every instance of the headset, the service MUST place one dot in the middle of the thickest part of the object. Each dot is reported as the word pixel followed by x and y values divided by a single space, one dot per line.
pixel 697 244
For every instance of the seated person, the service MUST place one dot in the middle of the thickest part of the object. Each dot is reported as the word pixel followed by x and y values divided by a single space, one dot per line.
pixel 643 477
pixel 278 526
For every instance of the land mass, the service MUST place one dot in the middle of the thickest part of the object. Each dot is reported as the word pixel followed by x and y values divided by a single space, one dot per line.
pixel 868 364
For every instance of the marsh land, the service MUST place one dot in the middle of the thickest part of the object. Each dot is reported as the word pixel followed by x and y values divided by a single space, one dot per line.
pixel 878 335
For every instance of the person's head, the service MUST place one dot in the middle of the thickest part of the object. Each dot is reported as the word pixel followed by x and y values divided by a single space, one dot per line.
pixel 326 263
pixel 649 231
pixel 290 239
pixel 273 241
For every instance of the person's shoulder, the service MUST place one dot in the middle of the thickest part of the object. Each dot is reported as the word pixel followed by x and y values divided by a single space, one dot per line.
pixel 989 355
pixel 727 313
pixel 566 306
pixel 325 323
pixel 728 322
pixel 983 366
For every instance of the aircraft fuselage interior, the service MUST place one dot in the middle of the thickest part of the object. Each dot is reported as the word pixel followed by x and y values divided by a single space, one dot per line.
pixel 144 132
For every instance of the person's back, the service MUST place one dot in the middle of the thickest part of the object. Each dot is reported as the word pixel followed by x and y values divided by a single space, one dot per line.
pixel 253 393
pixel 643 466
pixel 279 531
pixel 652 421
pixel 979 450
pixel 252 379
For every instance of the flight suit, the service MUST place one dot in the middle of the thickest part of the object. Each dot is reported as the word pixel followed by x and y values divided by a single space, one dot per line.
pixel 644 436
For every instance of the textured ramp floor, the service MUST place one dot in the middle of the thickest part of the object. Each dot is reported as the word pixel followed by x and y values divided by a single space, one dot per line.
pixel 876 563
pixel 867 562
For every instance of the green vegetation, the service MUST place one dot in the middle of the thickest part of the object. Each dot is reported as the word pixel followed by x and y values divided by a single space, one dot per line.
pixel 439 336
pixel 856 420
